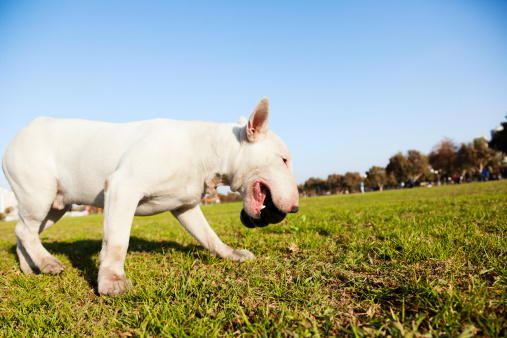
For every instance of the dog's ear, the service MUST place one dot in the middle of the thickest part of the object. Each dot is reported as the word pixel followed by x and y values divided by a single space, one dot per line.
pixel 257 125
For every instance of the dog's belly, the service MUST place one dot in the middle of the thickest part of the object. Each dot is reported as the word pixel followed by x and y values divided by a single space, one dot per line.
pixel 152 205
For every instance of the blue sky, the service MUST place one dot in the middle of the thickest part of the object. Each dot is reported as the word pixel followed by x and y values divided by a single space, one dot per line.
pixel 350 83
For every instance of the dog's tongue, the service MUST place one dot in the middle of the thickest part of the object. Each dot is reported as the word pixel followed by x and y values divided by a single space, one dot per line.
pixel 259 194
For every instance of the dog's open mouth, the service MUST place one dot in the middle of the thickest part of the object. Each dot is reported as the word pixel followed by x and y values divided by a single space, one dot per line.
pixel 260 192
pixel 270 214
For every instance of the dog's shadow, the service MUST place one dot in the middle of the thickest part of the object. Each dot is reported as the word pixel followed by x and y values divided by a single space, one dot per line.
pixel 83 254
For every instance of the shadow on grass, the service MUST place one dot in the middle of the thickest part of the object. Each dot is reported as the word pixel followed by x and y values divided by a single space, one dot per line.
pixel 83 254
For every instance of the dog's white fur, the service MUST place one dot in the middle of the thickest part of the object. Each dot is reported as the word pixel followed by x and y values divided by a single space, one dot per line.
pixel 140 168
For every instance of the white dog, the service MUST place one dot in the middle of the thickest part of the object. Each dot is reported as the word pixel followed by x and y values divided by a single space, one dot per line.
pixel 142 168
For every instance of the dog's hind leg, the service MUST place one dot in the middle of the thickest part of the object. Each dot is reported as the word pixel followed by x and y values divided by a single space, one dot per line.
pixel 25 262
pixel 31 253
pixel 41 200
pixel 33 257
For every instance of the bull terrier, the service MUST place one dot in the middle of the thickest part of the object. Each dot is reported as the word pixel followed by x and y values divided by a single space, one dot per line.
pixel 143 168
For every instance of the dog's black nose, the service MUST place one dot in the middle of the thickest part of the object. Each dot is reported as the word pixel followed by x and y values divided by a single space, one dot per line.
pixel 294 209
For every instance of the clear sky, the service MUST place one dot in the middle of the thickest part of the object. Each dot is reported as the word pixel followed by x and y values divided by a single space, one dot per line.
pixel 350 83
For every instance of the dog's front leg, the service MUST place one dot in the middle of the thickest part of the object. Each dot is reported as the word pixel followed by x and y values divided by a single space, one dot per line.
pixel 120 203
pixel 194 221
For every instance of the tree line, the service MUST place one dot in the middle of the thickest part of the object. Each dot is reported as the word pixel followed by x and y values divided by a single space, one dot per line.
pixel 448 162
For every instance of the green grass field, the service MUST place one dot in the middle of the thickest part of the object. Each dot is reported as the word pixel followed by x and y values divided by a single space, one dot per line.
pixel 401 263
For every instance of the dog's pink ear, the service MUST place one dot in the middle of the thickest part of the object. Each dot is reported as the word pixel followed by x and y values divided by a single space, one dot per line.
pixel 257 125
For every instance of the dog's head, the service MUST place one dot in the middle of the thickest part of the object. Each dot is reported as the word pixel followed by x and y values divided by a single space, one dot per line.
pixel 264 175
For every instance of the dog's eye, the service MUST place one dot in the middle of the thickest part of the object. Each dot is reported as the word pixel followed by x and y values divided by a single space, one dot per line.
pixel 284 160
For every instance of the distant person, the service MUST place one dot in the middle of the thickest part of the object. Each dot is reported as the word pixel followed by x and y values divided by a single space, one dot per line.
pixel 362 188
pixel 484 176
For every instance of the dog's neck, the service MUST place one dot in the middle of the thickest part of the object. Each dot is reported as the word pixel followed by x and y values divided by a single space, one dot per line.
pixel 222 146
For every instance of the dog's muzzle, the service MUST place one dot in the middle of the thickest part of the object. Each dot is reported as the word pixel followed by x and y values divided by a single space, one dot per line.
pixel 269 215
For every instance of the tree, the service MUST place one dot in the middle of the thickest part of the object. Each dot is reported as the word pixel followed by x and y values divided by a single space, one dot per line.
pixel 336 183
pixel 499 138
pixel 376 178
pixel 398 167
pixel 352 181
pixel 466 160
pixel 481 154
pixel 495 164
pixel 444 157
pixel 230 197
pixel 418 165
pixel 316 186
pixel 391 181
pixel 477 156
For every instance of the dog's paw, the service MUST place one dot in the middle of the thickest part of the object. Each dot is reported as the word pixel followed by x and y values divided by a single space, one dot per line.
pixel 116 287
pixel 114 284
pixel 51 265
pixel 242 255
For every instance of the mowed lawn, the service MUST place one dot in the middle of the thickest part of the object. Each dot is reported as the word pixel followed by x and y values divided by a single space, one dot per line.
pixel 423 261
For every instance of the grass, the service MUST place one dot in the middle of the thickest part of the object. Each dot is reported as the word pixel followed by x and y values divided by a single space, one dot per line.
pixel 401 263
